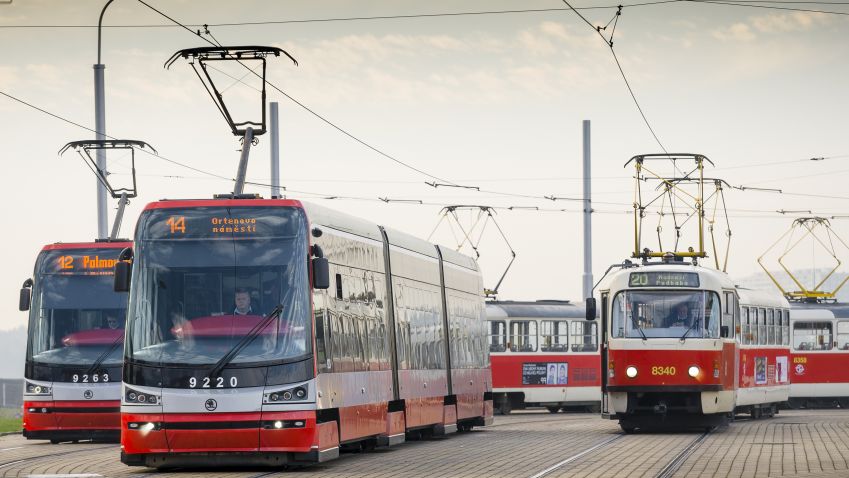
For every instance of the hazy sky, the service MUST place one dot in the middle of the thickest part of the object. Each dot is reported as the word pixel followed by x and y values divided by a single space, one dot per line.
pixel 494 101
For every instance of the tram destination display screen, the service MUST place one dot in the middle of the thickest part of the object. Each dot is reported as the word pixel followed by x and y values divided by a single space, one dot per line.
pixel 663 279
pixel 222 223
pixel 80 261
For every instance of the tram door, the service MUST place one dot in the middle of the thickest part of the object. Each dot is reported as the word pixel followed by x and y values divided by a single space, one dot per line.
pixel 603 353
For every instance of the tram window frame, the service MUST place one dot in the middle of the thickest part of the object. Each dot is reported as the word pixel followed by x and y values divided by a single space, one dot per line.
pixel 494 346
pixel 785 324
pixel 546 339
pixel 580 336
pixel 842 335
pixel 528 344
pixel 815 346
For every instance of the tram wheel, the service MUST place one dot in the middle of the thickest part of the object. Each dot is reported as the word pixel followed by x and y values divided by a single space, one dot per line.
pixel 55 442
pixel 628 429
pixel 756 413
pixel 505 408
pixel 553 409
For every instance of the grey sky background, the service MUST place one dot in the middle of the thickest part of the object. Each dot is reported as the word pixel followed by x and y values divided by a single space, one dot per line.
pixel 494 101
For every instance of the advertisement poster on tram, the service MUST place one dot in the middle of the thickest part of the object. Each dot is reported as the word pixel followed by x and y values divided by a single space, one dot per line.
pixel 760 370
pixel 545 373
pixel 781 369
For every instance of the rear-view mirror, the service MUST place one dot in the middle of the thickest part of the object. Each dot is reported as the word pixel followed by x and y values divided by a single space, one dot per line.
pixel 591 312
pixel 26 295
pixel 320 273
pixel 123 271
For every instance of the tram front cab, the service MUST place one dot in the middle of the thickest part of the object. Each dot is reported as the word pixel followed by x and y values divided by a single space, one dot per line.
pixel 668 360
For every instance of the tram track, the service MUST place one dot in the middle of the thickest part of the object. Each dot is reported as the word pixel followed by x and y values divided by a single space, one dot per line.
pixel 577 456
pixel 675 463
pixel 52 455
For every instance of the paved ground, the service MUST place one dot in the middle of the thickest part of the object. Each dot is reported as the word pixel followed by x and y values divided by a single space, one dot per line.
pixel 526 445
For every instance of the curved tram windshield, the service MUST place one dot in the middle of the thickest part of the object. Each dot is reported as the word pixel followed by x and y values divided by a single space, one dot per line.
pixel 678 314
pixel 77 319
pixel 207 277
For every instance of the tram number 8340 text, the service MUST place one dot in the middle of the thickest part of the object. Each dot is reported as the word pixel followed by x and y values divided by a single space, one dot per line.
pixel 663 370
pixel 216 382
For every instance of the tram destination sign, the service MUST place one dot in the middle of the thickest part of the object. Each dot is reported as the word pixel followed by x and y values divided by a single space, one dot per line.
pixel 80 261
pixel 663 279
pixel 222 223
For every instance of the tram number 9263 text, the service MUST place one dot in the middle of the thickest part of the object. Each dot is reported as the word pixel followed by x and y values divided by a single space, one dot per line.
pixel 662 370
pixel 90 378
pixel 216 382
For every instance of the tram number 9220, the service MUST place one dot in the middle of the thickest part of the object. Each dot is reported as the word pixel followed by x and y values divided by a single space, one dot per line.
pixel 90 378
pixel 216 382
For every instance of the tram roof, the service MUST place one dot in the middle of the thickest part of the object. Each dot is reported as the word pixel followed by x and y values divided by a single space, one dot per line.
pixel 803 310
pixel 763 298
pixel 540 309
pixel 106 244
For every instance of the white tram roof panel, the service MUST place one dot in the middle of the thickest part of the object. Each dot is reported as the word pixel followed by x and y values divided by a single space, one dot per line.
pixel 819 311
pixel 763 298
pixel 708 278
pixel 541 309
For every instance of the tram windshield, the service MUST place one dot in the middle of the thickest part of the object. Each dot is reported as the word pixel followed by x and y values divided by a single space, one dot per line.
pixel 76 318
pixel 665 314
pixel 207 277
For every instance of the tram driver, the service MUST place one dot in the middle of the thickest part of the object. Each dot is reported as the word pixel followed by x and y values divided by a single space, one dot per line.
pixel 680 317
pixel 243 302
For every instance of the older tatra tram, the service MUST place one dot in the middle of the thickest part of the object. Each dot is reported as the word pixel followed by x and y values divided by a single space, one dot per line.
pixel 72 386
pixel 682 345
pixel 275 332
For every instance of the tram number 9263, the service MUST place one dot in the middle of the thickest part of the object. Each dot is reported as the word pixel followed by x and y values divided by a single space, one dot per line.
pixel 216 382
pixel 659 370
pixel 90 377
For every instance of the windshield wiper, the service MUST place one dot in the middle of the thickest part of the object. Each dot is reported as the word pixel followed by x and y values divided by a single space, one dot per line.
pixel 118 341
pixel 247 339
pixel 684 337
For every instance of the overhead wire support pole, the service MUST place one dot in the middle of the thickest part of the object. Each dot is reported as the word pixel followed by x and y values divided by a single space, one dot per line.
pixel 588 209
pixel 274 125
pixel 100 128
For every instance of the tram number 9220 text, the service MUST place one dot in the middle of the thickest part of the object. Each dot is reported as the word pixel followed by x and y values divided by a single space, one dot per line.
pixel 662 370
pixel 216 382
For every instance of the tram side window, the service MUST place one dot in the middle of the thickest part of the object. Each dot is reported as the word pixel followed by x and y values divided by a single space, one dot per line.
pixel 770 324
pixel 843 335
pixel 523 336
pixel 812 336
pixel 497 336
pixel 762 333
pixel 730 312
pixel 584 336
pixel 785 326
pixel 554 336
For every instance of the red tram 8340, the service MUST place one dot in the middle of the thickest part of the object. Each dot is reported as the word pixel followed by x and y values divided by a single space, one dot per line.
pixel 685 347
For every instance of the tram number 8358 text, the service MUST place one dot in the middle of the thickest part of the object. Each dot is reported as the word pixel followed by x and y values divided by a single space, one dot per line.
pixel 216 382
pixel 89 378
pixel 663 370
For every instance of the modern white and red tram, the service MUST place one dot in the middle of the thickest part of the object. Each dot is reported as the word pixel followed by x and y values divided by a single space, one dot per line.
pixel 820 365
pixel 274 332
pixel 543 353
pixel 74 341
pixel 684 347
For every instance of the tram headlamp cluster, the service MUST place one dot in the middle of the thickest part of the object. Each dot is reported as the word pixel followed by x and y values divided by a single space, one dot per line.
pixel 694 371
pixel 296 394
pixel 38 410
pixel 138 398
pixel 35 389
pixel 631 371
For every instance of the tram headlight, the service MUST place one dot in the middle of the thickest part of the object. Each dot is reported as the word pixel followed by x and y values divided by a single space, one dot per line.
pixel 694 371
pixel 296 394
pixel 631 371
pixel 134 397
pixel 35 389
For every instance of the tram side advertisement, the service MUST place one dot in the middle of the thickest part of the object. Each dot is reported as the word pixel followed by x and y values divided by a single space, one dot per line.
pixel 545 373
